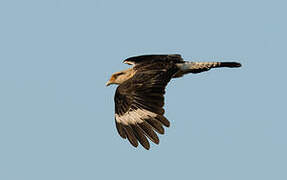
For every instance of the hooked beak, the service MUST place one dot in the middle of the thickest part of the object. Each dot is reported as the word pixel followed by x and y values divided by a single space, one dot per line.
pixel 108 83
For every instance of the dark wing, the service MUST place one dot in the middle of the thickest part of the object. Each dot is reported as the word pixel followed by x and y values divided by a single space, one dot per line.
pixel 176 58
pixel 139 104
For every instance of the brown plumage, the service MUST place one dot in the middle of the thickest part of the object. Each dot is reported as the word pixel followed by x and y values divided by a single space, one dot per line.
pixel 139 98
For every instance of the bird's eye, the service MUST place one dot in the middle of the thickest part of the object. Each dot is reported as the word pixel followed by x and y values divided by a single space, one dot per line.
pixel 118 74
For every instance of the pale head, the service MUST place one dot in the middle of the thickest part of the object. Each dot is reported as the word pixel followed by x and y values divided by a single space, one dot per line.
pixel 120 77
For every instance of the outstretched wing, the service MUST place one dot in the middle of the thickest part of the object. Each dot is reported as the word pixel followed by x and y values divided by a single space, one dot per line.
pixel 139 103
pixel 153 58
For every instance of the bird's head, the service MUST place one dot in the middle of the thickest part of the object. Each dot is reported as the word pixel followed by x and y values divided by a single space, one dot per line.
pixel 120 77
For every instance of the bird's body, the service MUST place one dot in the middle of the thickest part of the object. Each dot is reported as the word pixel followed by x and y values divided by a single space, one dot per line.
pixel 139 98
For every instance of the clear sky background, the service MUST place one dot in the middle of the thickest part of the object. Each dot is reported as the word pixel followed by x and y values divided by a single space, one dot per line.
pixel 57 116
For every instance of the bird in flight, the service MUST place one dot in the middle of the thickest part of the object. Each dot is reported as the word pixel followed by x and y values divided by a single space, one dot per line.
pixel 139 98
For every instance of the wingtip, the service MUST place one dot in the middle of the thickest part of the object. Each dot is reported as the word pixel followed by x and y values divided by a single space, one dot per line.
pixel 128 62
pixel 147 147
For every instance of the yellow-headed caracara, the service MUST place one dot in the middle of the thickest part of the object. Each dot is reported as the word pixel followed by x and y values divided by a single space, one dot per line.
pixel 139 98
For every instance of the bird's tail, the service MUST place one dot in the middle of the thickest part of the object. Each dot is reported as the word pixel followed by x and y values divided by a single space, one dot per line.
pixel 197 67
pixel 209 65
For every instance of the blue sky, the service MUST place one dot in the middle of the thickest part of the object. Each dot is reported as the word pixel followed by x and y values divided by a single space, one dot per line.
pixel 57 116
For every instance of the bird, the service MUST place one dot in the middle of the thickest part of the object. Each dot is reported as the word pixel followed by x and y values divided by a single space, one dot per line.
pixel 139 97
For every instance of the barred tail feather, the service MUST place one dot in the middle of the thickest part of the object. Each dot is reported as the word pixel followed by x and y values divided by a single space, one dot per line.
pixel 198 67
pixel 209 65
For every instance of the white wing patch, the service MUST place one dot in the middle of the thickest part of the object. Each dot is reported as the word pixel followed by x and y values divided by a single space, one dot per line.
pixel 134 116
